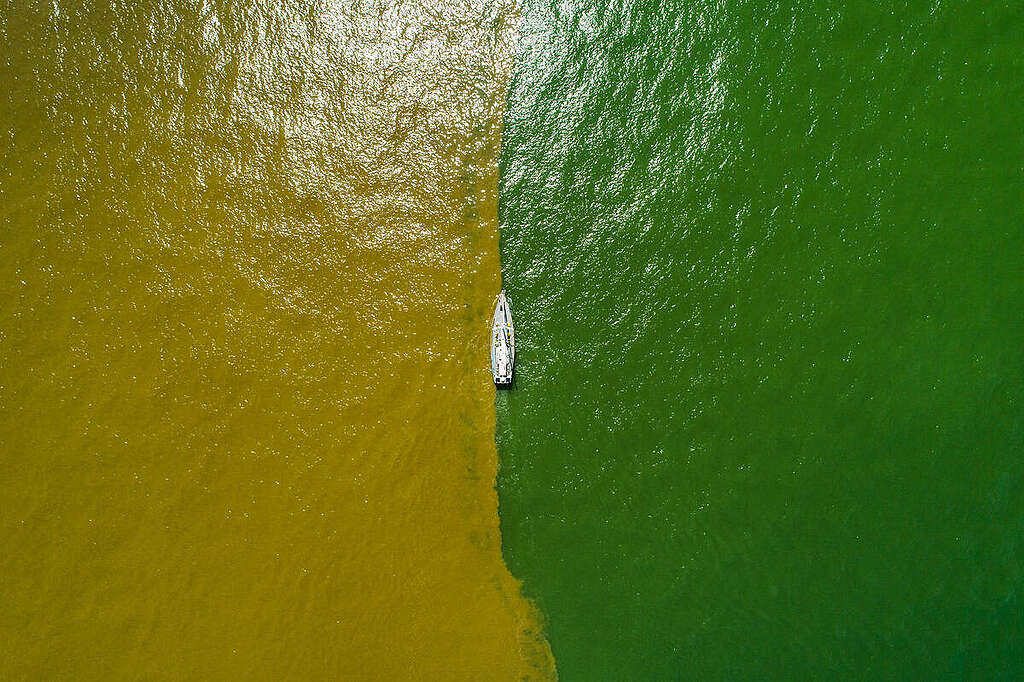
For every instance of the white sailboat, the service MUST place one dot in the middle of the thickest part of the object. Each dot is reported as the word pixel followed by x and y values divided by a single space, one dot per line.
pixel 503 342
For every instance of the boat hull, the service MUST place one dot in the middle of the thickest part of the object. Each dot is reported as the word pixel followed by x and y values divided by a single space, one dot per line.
pixel 503 343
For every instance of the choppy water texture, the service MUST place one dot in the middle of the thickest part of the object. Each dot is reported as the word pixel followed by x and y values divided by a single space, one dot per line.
pixel 247 258
pixel 766 263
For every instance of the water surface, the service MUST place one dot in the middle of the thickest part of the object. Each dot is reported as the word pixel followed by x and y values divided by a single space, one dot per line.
pixel 246 423
pixel 766 265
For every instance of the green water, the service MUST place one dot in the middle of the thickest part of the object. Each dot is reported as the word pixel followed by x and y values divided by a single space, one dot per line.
pixel 766 262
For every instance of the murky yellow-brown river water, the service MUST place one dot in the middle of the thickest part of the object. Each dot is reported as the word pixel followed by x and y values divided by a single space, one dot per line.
pixel 247 256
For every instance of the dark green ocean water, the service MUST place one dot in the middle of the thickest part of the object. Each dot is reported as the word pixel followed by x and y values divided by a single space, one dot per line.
pixel 767 266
